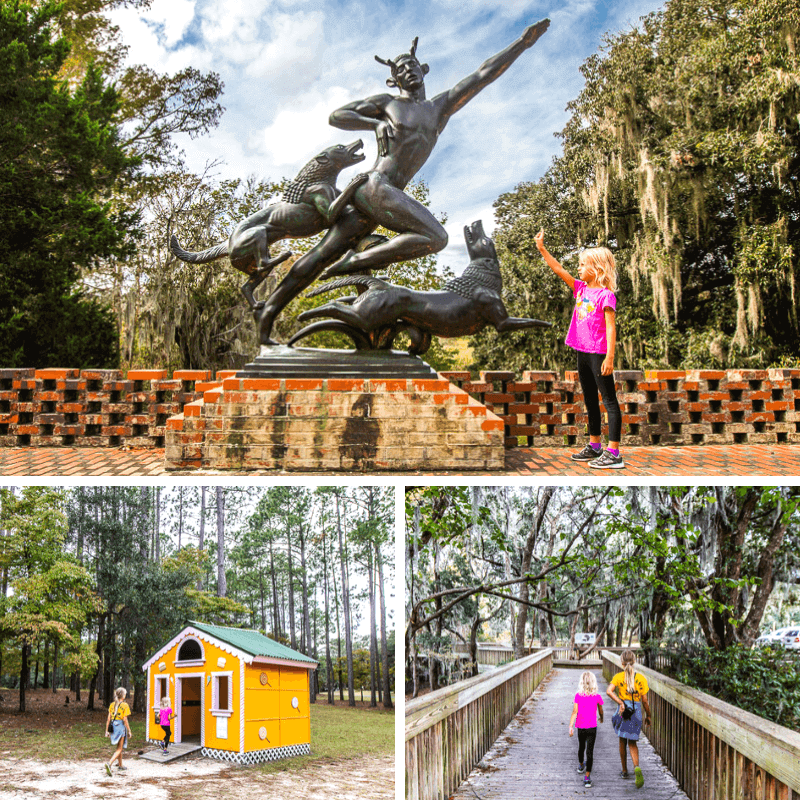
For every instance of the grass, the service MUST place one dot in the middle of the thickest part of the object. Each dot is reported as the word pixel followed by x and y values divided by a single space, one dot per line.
pixel 76 742
pixel 340 732
pixel 337 732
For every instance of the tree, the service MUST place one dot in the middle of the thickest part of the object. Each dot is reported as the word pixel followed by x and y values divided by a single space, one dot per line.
pixel 681 155
pixel 62 158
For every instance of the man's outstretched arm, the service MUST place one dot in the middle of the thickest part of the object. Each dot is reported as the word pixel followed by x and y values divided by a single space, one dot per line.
pixel 491 69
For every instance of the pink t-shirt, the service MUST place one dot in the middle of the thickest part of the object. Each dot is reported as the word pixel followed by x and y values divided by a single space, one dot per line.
pixel 165 715
pixel 587 330
pixel 587 710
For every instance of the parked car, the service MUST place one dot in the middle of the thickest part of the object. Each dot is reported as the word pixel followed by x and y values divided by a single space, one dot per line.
pixel 774 639
pixel 791 638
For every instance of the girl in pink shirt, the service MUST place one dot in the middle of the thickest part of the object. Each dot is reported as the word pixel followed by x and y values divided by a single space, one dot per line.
pixel 165 717
pixel 585 710
pixel 593 334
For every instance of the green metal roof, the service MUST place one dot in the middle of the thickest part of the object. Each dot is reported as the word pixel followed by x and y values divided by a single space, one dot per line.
pixel 252 642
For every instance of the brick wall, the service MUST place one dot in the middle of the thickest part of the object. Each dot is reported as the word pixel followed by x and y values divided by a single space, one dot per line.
pixel 658 407
pixel 96 408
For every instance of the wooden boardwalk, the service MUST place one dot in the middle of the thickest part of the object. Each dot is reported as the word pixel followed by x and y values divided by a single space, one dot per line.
pixel 534 758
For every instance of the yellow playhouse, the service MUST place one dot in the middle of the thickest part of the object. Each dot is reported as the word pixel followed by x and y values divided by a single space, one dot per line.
pixel 240 695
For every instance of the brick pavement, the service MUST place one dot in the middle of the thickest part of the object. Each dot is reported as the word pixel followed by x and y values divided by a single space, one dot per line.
pixel 705 461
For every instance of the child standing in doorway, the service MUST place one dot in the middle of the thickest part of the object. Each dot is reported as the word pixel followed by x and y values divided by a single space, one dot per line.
pixel 165 720
pixel 593 334
pixel 587 707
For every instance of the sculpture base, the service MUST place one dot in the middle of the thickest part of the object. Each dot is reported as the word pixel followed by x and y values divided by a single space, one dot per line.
pixel 336 424
pixel 282 361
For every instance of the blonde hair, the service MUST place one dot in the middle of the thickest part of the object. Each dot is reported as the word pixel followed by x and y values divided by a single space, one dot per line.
pixel 121 694
pixel 601 260
pixel 628 660
pixel 587 685
pixel 165 701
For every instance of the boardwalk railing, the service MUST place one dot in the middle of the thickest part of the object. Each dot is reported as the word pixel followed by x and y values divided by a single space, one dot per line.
pixel 495 654
pixel 715 750
pixel 449 731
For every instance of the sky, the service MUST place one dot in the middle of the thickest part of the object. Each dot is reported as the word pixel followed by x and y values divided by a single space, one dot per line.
pixel 287 65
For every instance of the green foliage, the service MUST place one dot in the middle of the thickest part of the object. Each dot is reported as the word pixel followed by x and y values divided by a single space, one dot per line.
pixel 764 681
pixel 681 155
pixel 62 159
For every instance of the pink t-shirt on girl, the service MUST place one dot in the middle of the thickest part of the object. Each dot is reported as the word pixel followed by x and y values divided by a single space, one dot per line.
pixel 165 715
pixel 587 710
pixel 587 330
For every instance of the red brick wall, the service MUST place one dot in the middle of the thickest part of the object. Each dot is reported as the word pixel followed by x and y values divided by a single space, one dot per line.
pixel 95 408
pixel 658 407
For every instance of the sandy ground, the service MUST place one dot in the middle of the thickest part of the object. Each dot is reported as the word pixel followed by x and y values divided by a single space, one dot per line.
pixel 357 779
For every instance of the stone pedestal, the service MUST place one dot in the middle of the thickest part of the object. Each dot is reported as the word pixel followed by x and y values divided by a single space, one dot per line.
pixel 335 425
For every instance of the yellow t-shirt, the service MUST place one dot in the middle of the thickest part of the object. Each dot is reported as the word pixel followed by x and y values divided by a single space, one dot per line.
pixel 640 687
pixel 123 710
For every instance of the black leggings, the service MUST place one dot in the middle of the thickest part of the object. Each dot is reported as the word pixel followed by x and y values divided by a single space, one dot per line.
pixel 592 379
pixel 586 737
pixel 168 731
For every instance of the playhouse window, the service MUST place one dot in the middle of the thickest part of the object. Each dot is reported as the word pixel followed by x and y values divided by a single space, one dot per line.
pixel 221 700
pixel 161 689
pixel 190 650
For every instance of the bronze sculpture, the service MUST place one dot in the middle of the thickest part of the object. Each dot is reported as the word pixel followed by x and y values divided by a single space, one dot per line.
pixel 407 127
pixel 310 204
pixel 462 307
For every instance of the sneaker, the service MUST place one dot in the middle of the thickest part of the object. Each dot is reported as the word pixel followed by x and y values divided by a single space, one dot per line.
pixel 580 768
pixel 166 752
pixel 607 461
pixel 122 768
pixel 108 770
pixel 587 454
pixel 624 774
pixel 587 782
pixel 639 777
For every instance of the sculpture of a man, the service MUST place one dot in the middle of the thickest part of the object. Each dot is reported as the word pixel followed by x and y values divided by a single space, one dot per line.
pixel 407 126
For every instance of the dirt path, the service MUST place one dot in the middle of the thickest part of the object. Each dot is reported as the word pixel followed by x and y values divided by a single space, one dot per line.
pixel 356 779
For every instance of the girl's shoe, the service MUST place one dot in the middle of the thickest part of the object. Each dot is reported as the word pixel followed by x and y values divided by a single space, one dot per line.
pixel 624 774
pixel 587 454
pixel 580 767
pixel 607 461
pixel 587 782
pixel 639 777
pixel 108 770
pixel 121 767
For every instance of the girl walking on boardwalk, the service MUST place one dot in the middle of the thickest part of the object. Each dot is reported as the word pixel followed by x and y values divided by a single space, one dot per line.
pixel 593 334
pixel 585 710
pixel 629 690
pixel 117 727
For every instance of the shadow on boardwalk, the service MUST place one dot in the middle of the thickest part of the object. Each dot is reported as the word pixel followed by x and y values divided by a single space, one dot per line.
pixel 534 757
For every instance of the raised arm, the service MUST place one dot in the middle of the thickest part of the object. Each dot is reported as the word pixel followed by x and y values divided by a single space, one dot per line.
pixel 552 262
pixel 456 98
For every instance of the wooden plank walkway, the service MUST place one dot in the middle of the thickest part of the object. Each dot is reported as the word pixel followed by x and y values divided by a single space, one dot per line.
pixel 534 757
pixel 176 751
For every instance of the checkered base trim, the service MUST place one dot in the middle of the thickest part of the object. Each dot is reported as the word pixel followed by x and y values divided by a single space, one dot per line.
pixel 258 756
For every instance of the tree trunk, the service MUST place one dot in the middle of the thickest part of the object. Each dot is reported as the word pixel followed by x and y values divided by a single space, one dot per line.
pixel 24 676
pixel 46 679
pixel 328 663
pixel 222 585
pixel 351 695
pixel 292 632
pixel 201 543
pixel 387 686
pixel 306 615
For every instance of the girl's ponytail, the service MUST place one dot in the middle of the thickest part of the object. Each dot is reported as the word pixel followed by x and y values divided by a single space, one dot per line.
pixel 628 660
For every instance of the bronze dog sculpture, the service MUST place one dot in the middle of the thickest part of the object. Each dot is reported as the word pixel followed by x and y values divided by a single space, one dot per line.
pixel 464 306
pixel 310 204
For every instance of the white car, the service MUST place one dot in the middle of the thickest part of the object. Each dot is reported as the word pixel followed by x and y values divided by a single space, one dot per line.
pixel 791 638
pixel 774 639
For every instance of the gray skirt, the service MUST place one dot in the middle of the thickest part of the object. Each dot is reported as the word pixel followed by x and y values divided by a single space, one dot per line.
pixel 118 732
pixel 628 728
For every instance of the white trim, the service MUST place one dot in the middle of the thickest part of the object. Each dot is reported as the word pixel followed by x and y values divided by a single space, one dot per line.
pixel 190 662
pixel 178 732
pixel 147 705
pixel 196 663
pixel 284 662
pixel 241 706
pixel 215 709
pixel 197 634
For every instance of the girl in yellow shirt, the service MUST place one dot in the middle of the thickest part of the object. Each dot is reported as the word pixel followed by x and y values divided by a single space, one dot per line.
pixel 118 713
